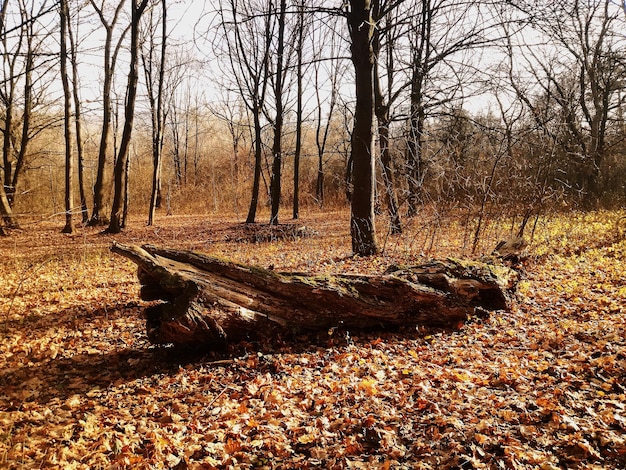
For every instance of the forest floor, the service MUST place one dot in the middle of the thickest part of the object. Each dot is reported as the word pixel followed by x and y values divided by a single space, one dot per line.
pixel 542 386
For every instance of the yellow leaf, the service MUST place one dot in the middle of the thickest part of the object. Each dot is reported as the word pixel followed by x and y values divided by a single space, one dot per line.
pixel 306 439
pixel 368 386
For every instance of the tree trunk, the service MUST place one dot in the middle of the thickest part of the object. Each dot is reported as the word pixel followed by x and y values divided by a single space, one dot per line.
pixel 362 221
pixel 6 212
pixel 258 155
pixel 382 113
pixel 125 193
pixel 299 112
pixel 277 150
pixel 415 150
pixel 157 111
pixel 67 118
pixel 78 126
pixel 421 58
pixel 98 217
pixel 208 302
pixel 26 115
pixel 119 192
pixel 381 109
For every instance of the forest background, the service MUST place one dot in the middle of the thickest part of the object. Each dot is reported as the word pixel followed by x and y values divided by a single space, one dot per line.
pixel 482 109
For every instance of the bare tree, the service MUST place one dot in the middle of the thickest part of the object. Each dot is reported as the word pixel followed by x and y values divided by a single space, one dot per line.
pixel 5 207
pixel 361 25
pixel 179 134
pixel 64 14
pixel 580 73
pixel 328 69
pixel 445 36
pixel 154 70
pixel 234 115
pixel 244 42
pixel 110 59
pixel 26 64
pixel 278 121
pixel 384 37
pixel 301 27
pixel 74 60
pixel 120 170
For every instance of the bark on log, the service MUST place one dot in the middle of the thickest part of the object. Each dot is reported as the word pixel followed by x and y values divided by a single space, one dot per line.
pixel 208 302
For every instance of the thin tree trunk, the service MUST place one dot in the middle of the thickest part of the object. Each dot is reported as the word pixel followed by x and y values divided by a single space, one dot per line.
pixel 421 52
pixel 110 58
pixel 299 111
pixel 78 127
pixel 67 118
pixel 277 151
pixel 322 132
pixel 115 224
pixel 125 196
pixel 6 211
pixel 26 121
pixel 382 114
pixel 414 152
pixel 157 123
pixel 258 154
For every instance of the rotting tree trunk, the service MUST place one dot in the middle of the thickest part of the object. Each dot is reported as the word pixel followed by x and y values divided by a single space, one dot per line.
pixel 208 302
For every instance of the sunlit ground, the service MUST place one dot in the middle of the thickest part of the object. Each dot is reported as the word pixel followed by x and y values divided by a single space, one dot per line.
pixel 538 387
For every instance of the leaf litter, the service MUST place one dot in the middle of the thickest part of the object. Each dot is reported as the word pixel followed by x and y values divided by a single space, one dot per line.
pixel 540 387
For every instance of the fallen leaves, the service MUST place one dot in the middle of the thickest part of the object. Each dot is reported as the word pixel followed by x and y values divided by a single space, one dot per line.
pixel 539 387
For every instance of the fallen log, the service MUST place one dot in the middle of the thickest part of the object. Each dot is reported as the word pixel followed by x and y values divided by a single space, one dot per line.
pixel 207 302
